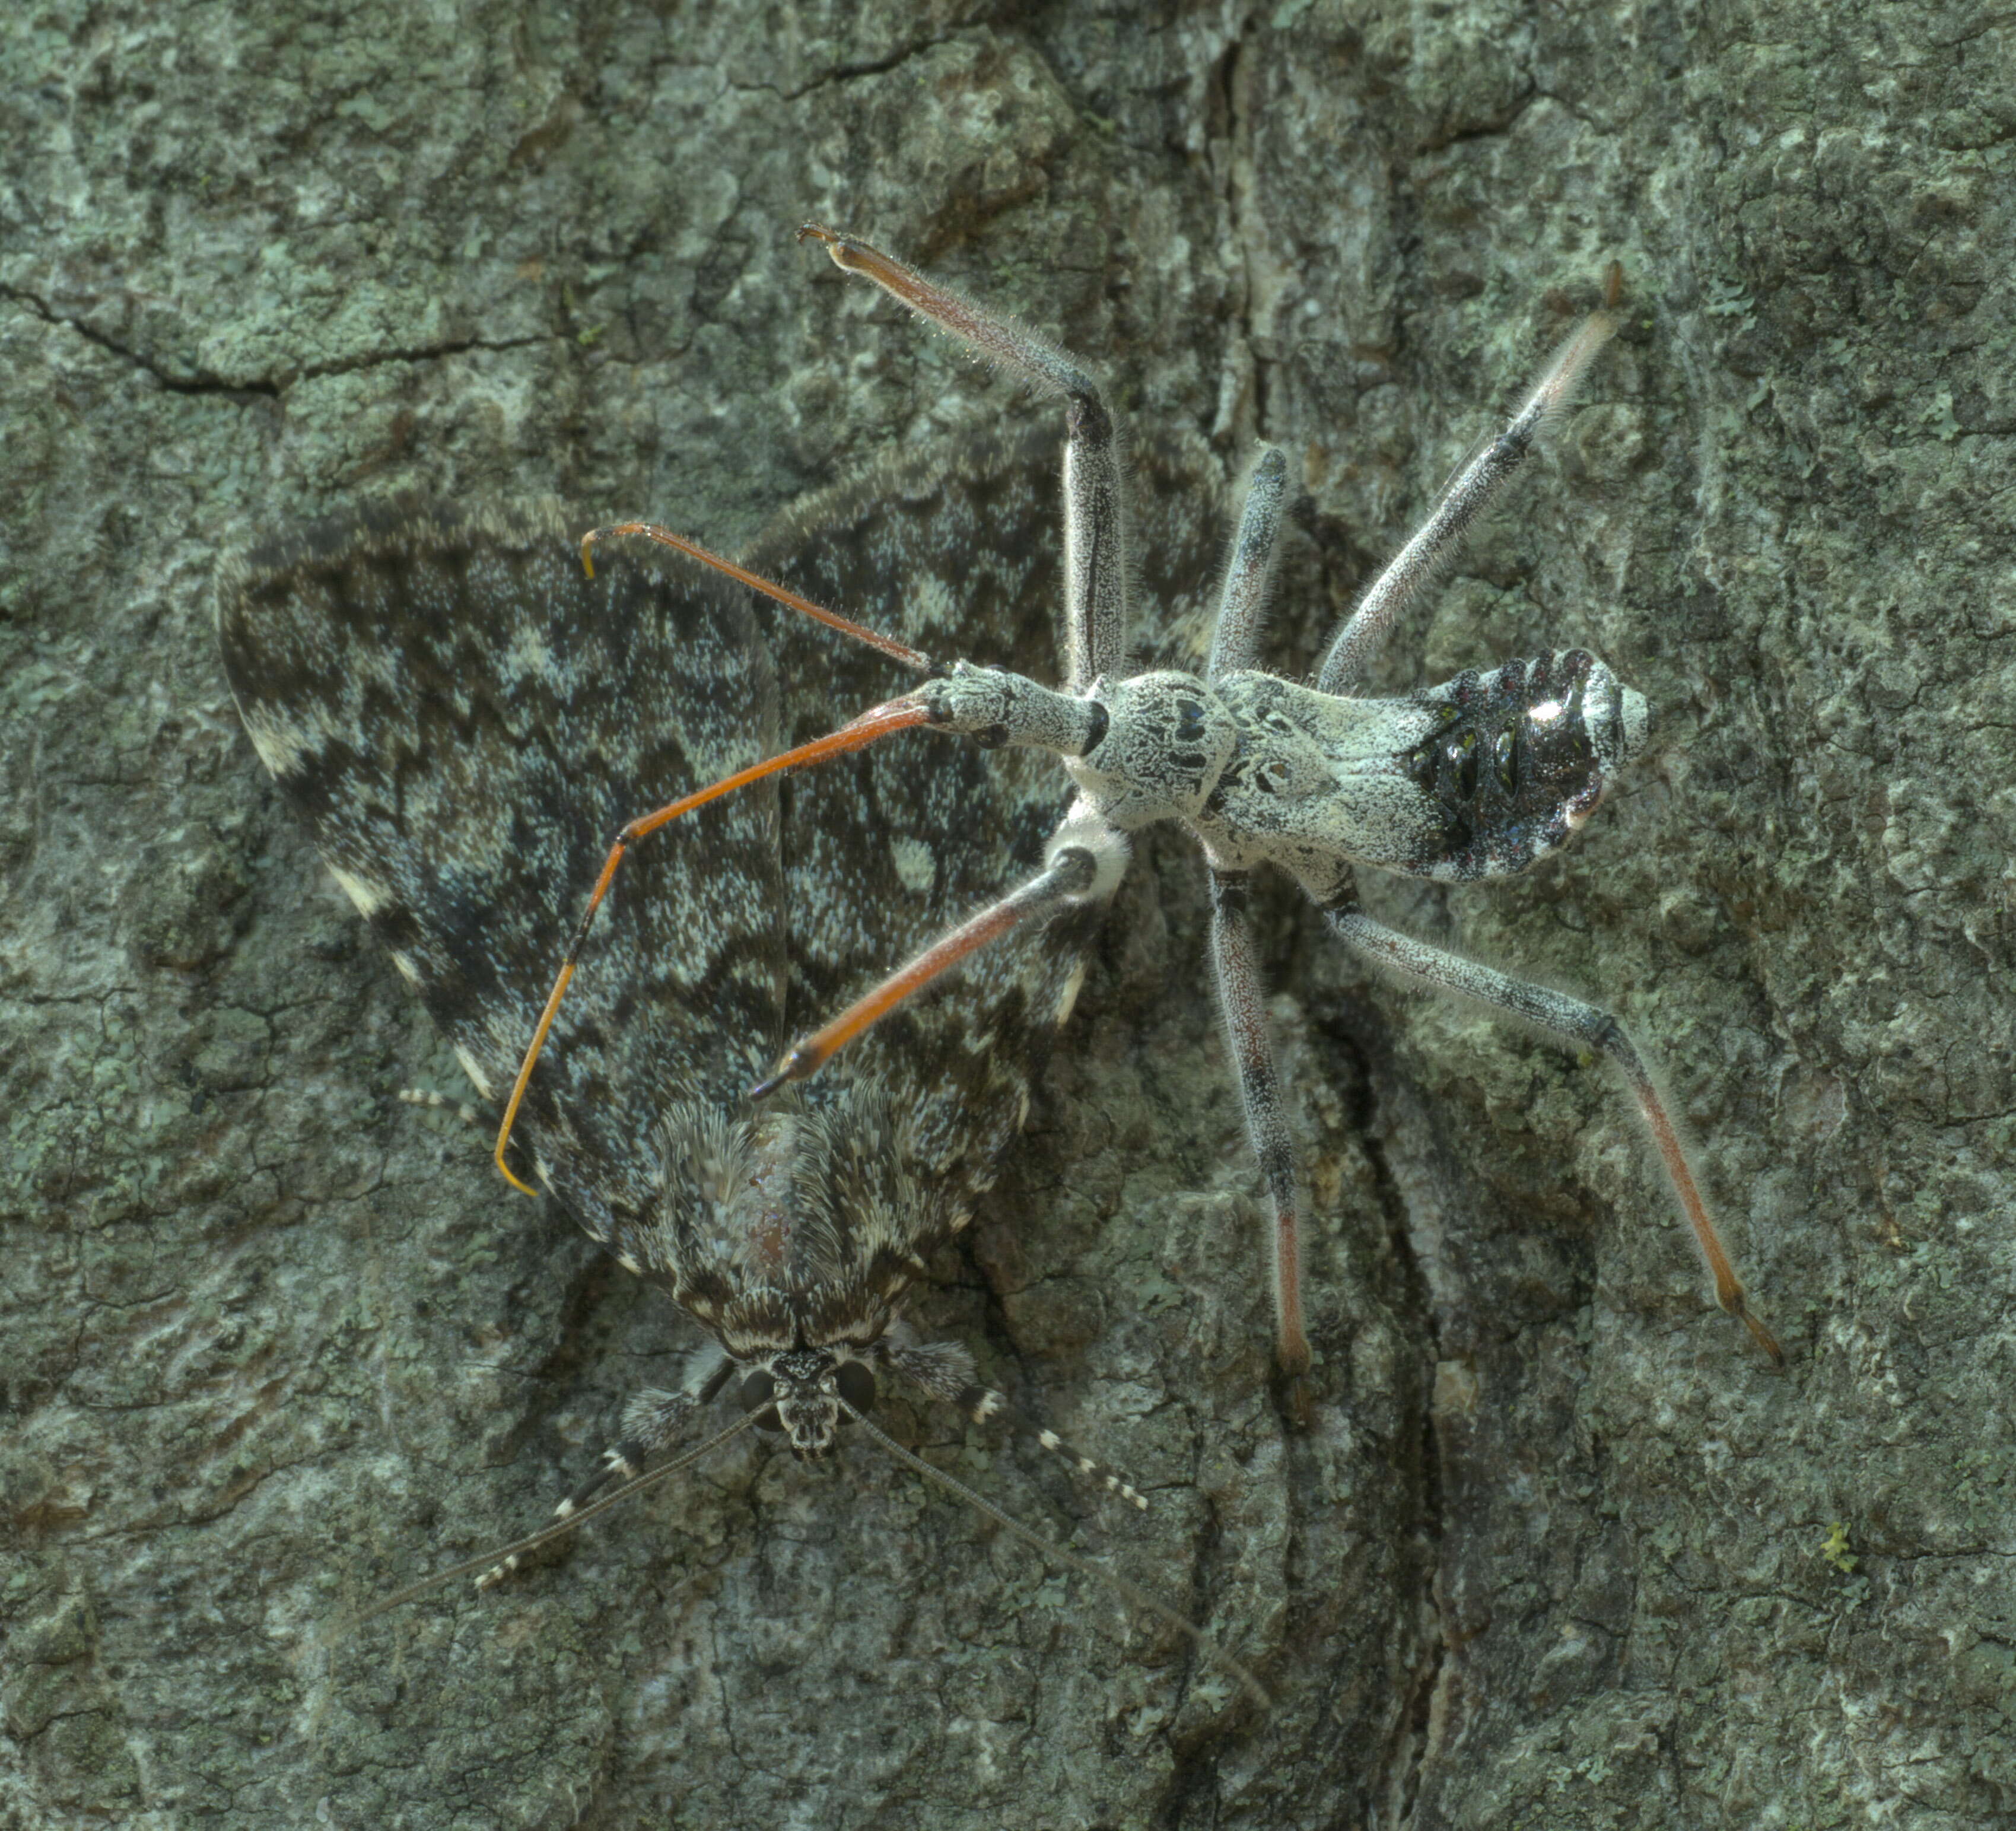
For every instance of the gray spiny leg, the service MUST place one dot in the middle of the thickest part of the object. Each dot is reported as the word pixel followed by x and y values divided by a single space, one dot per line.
pixel 1242 999
pixel 1479 776
pixel 1242 605
pixel 1468 494
pixel 1575 1022
pixel 1096 574
pixel 653 1420
pixel 1242 1003
pixel 944 1371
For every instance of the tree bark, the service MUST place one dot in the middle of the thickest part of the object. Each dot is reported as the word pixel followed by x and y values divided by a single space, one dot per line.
pixel 1558 1548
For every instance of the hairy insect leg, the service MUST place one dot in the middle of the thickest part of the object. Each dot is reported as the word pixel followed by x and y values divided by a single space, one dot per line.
pixel 1085 859
pixel 1574 1021
pixel 1465 497
pixel 916 660
pixel 1242 1003
pixel 944 1371
pixel 652 1421
pixel 900 715
pixel 1242 605
pixel 1096 568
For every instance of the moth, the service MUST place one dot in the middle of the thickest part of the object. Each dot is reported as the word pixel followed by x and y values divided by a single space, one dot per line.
pixel 462 716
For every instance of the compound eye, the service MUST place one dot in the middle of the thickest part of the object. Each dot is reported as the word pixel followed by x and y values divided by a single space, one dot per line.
pixel 856 1384
pixel 757 1391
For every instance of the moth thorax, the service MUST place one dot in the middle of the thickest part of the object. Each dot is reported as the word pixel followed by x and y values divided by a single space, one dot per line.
pixel 753 1197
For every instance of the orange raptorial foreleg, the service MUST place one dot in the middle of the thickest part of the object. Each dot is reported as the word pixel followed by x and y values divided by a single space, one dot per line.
pixel 912 658
pixel 1070 873
pixel 899 714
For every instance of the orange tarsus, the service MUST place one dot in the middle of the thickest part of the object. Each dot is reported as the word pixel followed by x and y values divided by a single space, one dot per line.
pixel 1729 1291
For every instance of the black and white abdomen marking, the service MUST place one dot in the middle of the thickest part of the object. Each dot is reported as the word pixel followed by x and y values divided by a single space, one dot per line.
pixel 1519 759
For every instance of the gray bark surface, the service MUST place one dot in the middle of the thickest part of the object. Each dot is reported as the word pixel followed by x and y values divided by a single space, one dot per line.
pixel 1558 1550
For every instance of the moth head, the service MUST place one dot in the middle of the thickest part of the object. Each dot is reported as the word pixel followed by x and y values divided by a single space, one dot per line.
pixel 801 1390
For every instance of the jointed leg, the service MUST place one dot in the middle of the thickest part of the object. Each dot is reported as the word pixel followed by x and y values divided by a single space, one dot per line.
pixel 1095 618
pixel 1235 642
pixel 1244 1006
pixel 1576 1023
pixel 652 1420
pixel 944 1371
pixel 1468 494
pixel 1086 861
pixel 901 715
pixel 916 660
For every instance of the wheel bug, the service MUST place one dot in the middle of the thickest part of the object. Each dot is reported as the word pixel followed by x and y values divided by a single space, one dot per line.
pixel 1478 777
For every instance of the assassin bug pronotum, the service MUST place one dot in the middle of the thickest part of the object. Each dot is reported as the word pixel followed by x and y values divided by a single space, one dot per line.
pixel 1477 777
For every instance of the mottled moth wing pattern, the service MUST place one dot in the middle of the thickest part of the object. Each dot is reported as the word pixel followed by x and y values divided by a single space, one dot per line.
pixel 462 717
pixel 957 550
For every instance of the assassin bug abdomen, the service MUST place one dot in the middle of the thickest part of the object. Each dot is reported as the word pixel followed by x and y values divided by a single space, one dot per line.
pixel 1479 776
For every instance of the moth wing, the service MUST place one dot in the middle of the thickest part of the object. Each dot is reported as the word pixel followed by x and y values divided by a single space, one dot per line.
pixel 957 550
pixel 464 719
